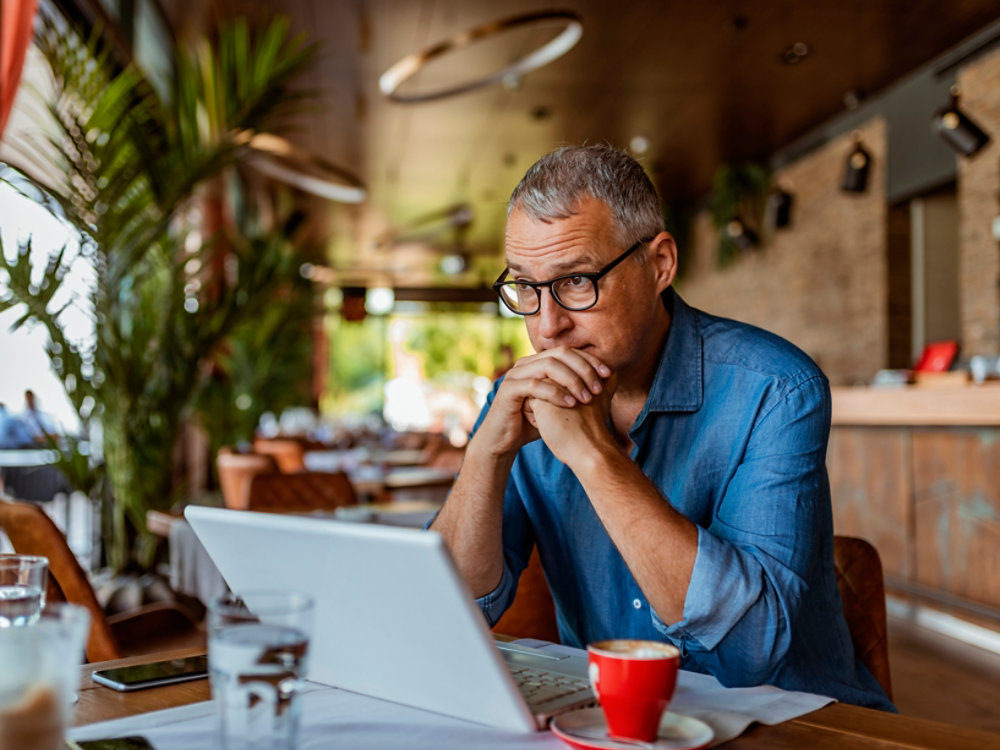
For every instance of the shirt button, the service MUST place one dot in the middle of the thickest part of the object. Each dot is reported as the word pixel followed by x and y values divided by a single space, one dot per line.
pixel 637 604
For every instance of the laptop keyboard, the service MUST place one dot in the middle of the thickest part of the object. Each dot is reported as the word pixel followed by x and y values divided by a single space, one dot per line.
pixel 540 687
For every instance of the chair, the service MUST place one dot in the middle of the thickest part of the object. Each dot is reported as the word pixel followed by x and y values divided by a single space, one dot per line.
pixel 533 613
pixel 151 627
pixel 306 490
pixel 288 452
pixel 862 591
pixel 235 472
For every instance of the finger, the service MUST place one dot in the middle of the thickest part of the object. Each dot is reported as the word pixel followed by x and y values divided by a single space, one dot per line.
pixel 529 413
pixel 564 366
pixel 602 369
pixel 586 364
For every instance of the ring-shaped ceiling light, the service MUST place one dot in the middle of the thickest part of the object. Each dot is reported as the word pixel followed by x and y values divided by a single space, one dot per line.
pixel 279 159
pixel 390 81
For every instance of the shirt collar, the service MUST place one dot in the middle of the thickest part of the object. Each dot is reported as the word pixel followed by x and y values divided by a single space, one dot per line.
pixel 678 384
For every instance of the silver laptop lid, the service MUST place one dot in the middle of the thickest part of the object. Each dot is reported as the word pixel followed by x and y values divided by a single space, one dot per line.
pixel 394 618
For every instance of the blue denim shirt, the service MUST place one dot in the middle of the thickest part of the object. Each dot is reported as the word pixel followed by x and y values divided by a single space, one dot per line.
pixel 734 435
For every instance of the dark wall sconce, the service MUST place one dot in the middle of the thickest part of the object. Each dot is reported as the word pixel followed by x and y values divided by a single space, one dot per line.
pixel 856 169
pixel 956 129
pixel 779 208
pixel 741 235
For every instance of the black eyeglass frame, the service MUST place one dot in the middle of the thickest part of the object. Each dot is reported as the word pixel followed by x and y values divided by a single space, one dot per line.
pixel 593 276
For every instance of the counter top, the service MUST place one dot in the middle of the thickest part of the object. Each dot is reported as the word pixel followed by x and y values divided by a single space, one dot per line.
pixel 937 406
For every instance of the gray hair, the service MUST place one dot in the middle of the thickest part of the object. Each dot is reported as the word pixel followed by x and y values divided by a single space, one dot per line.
pixel 553 187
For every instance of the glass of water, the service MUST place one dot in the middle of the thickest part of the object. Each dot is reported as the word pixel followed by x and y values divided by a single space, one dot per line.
pixel 23 579
pixel 257 655
pixel 39 676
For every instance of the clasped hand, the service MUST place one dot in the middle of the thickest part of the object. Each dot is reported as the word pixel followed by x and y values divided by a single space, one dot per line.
pixel 561 395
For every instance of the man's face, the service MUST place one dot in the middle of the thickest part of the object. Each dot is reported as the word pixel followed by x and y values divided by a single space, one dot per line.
pixel 617 329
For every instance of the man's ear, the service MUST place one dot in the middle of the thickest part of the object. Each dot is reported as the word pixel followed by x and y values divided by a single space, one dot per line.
pixel 662 254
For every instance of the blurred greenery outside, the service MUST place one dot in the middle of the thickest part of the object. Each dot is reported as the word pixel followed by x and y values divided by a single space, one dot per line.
pixel 443 347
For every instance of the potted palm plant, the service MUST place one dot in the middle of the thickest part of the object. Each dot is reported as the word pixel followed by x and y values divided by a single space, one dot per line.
pixel 131 165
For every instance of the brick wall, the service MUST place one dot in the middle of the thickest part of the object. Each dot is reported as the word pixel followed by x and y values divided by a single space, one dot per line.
pixel 978 205
pixel 821 282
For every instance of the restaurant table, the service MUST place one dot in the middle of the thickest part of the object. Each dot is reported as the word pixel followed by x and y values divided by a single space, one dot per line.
pixel 28 474
pixel 193 573
pixel 384 476
pixel 837 725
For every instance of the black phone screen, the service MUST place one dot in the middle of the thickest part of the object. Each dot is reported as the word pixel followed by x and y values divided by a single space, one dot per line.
pixel 154 673
pixel 116 743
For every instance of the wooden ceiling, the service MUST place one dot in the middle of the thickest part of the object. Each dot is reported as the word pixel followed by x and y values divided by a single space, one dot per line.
pixel 705 82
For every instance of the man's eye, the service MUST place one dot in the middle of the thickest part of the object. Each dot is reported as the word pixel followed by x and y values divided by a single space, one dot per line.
pixel 576 281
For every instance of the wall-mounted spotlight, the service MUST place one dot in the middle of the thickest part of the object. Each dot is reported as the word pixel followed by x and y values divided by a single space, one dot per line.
pixel 956 129
pixel 741 235
pixel 779 208
pixel 856 168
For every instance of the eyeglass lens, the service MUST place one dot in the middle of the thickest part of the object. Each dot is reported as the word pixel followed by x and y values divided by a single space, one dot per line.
pixel 572 292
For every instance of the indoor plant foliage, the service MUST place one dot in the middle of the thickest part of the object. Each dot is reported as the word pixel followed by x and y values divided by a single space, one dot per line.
pixel 131 165
pixel 737 207
pixel 265 363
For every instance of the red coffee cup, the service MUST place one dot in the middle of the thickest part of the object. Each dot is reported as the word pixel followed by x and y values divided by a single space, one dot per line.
pixel 634 681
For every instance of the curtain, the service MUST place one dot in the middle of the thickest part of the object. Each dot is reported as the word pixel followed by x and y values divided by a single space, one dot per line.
pixel 16 17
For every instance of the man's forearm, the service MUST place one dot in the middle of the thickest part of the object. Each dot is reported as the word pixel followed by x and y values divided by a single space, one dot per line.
pixel 658 544
pixel 472 517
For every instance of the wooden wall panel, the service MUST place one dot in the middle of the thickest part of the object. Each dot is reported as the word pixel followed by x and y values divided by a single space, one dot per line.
pixel 870 485
pixel 957 512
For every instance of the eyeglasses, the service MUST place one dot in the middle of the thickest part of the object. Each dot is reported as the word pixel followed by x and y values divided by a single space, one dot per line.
pixel 574 292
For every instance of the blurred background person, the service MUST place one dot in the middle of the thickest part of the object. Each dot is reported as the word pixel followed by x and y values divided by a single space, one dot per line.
pixel 13 432
pixel 40 426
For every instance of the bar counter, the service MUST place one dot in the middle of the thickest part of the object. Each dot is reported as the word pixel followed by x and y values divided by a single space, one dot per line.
pixel 919 405
pixel 916 471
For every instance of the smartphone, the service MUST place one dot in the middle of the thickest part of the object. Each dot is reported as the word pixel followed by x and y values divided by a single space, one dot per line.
pixel 116 743
pixel 153 674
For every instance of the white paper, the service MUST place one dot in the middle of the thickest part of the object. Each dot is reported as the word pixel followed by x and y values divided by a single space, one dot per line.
pixel 337 718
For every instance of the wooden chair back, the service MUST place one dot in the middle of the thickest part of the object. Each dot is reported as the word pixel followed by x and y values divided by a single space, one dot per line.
pixel 862 591
pixel 533 613
pixel 288 452
pixel 235 472
pixel 306 490
pixel 32 532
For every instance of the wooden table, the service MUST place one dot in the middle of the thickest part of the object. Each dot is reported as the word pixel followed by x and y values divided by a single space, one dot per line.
pixel 833 727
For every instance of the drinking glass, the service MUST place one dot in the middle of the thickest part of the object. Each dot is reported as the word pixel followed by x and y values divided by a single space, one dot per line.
pixel 257 657
pixel 41 670
pixel 23 579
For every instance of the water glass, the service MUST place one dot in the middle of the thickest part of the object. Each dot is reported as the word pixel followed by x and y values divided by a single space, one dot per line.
pixel 23 579
pixel 40 674
pixel 257 649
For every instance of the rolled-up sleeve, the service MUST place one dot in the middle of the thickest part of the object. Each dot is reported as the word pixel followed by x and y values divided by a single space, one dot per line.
pixel 756 555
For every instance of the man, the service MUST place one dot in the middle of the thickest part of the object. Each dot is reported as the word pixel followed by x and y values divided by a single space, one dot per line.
pixel 668 464
pixel 13 433
pixel 37 422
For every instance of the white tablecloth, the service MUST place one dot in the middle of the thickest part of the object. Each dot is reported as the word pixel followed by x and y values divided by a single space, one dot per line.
pixel 337 718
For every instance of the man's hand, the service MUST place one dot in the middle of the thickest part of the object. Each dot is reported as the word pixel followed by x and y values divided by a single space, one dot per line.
pixel 571 431
pixel 559 377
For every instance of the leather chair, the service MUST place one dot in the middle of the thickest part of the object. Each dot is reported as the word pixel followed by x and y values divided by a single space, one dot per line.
pixel 151 627
pixel 532 614
pixel 862 591
pixel 859 578
pixel 235 472
pixel 306 490
pixel 288 452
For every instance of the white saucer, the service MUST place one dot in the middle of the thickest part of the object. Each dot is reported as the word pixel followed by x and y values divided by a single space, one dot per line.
pixel 586 729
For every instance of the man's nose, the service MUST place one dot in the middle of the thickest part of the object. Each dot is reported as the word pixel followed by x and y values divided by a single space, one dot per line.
pixel 552 317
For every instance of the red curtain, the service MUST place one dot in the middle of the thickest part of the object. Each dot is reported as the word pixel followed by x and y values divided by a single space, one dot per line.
pixel 16 18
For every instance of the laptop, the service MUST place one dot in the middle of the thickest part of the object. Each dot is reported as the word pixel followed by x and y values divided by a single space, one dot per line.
pixel 394 619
